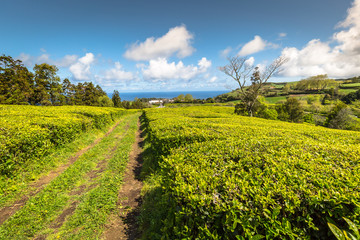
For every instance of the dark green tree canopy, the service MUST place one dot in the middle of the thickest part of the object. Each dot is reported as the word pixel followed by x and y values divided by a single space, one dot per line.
pixel 116 99
pixel 43 87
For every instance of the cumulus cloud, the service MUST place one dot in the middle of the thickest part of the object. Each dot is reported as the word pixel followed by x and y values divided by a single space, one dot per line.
pixel 160 69
pixel 339 57
pixel 81 69
pixel 176 41
pixel 30 61
pixel 255 45
pixel 282 35
pixel 116 74
pixel 250 61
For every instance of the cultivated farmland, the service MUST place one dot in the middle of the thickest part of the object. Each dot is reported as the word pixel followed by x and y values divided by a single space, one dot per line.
pixel 225 176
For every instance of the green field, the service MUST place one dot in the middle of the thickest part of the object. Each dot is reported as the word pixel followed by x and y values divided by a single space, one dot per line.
pixel 347 91
pixel 222 176
pixel 273 100
pixel 351 85
pixel 208 174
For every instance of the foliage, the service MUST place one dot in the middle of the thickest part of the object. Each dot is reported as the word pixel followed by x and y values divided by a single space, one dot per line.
pixel 351 97
pixel 43 87
pixel 326 99
pixel 268 113
pixel 309 118
pixel 339 117
pixel 116 99
pixel 294 109
pixel 318 83
pixel 179 98
pixel 188 98
pixel 352 234
pixel 105 101
pixel 16 82
pixel 28 132
pixel 226 176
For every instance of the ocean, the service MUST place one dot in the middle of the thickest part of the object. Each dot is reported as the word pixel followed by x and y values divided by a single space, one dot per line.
pixel 130 96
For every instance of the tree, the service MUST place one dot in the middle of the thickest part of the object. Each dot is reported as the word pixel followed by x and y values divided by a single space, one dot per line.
pixel 16 82
pixel 68 90
pixel 105 101
pixel 351 97
pixel 180 98
pixel 318 83
pixel 294 109
pixel 240 70
pixel 116 99
pixel 339 117
pixel 47 84
pixel 188 98
pixel 286 89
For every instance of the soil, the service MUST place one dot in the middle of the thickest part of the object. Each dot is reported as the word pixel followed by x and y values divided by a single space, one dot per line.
pixel 38 185
pixel 124 225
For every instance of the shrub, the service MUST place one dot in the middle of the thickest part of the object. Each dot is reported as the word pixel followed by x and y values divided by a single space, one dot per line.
pixel 309 118
pixel 224 176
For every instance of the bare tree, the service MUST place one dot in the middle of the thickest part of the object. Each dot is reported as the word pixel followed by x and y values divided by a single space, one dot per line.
pixel 250 79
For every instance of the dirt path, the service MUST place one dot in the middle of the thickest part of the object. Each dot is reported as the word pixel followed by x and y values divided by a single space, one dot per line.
pixel 38 185
pixel 123 225
pixel 92 175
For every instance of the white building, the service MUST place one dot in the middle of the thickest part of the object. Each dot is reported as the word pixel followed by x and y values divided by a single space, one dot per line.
pixel 156 101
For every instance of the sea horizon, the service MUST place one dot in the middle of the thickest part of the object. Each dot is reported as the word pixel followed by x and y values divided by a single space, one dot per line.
pixel 130 96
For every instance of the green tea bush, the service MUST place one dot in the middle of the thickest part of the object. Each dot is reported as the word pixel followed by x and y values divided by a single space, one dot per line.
pixel 27 133
pixel 232 177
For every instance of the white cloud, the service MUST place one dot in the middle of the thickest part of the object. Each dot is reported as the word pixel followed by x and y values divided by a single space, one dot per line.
pixel 66 61
pixel 255 45
pixel 213 79
pixel 250 61
pixel 282 35
pixel 225 53
pixel 177 40
pixel 81 69
pixel 317 57
pixel 204 64
pixel 30 61
pixel 160 69
pixel 116 74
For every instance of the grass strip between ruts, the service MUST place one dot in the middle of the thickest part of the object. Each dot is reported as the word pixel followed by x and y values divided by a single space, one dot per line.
pixel 92 213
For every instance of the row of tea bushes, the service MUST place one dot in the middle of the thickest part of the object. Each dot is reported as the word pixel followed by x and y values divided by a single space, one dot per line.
pixel 27 133
pixel 225 176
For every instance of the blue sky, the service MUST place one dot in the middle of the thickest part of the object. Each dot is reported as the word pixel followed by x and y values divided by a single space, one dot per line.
pixel 144 45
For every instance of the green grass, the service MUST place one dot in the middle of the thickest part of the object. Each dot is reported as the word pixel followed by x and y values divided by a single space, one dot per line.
pixel 273 100
pixel 350 85
pixel 43 208
pixel 347 91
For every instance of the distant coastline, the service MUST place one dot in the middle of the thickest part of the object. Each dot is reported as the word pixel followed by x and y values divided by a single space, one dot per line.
pixel 130 96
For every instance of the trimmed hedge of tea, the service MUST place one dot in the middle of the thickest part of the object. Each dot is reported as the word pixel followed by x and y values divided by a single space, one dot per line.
pixel 28 132
pixel 230 177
